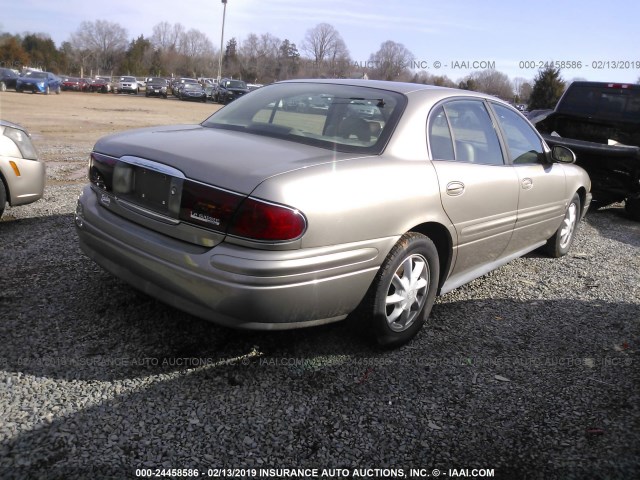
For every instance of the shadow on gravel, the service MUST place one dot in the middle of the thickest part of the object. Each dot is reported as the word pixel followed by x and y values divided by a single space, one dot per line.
pixel 531 389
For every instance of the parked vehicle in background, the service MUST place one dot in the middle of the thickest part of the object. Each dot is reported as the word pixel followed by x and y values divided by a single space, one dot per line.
pixel 192 91
pixel 100 84
pixel 156 87
pixel 8 79
pixel 208 82
pixel 210 91
pixel 70 83
pixel 253 86
pixel 178 83
pixel 263 218
pixel 229 90
pixel 42 82
pixel 22 175
pixel 126 85
pixel 600 122
pixel 84 84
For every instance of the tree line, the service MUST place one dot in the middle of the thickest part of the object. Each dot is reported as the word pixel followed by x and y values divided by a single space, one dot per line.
pixel 101 48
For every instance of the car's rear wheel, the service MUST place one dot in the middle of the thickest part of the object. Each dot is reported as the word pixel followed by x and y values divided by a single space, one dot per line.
pixel 632 207
pixel 47 90
pixel 3 87
pixel 559 245
pixel 403 291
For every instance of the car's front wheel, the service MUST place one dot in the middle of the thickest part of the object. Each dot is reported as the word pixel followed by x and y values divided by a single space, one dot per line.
pixel 3 87
pixel 403 291
pixel 559 245
pixel 3 198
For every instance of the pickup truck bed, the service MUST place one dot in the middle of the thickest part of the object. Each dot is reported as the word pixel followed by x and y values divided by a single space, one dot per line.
pixel 600 122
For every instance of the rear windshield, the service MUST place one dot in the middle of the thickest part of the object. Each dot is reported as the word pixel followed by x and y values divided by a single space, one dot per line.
pixel 234 84
pixel 603 102
pixel 339 117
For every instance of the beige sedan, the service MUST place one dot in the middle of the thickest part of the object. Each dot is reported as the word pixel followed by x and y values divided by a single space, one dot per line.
pixel 22 175
pixel 305 202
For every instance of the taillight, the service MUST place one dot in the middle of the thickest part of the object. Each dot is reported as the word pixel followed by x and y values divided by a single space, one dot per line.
pixel 208 207
pixel 101 170
pixel 232 213
pixel 259 220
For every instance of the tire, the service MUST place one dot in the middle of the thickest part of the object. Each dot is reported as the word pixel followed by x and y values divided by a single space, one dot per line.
pixel 47 90
pixel 398 301
pixel 3 87
pixel 3 198
pixel 58 91
pixel 632 207
pixel 560 243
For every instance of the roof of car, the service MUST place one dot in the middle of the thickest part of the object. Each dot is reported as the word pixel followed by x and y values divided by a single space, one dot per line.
pixel 6 123
pixel 432 91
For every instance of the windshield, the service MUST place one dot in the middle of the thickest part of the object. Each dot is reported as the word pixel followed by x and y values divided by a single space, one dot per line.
pixel 37 75
pixel 338 117
pixel 192 86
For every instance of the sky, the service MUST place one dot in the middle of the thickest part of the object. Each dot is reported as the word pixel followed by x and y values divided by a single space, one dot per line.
pixel 592 40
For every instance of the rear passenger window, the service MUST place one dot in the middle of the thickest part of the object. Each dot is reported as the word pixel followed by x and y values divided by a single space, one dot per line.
pixel 474 137
pixel 440 136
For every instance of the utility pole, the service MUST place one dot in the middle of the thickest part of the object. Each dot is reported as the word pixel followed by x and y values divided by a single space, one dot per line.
pixel 224 13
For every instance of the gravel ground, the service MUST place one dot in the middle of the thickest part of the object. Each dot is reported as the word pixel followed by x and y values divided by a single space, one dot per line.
pixel 531 371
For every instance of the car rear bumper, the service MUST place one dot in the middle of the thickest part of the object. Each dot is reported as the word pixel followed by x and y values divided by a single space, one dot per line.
pixel 229 284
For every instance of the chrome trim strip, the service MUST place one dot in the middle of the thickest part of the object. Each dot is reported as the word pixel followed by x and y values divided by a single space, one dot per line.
pixel 151 165
pixel 147 213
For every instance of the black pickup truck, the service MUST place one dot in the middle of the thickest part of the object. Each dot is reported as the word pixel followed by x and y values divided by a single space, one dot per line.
pixel 600 122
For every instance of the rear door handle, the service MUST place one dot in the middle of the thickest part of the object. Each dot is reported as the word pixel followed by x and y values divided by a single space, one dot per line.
pixel 455 189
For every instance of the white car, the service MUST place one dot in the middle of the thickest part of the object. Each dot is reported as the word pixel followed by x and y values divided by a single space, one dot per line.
pixel 22 175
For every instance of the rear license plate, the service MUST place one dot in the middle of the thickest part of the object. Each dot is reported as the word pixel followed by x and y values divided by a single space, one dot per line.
pixel 152 189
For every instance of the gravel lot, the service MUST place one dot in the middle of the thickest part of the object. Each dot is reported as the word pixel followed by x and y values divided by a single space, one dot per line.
pixel 531 371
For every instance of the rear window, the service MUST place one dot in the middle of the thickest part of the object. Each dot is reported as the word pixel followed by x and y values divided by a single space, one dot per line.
pixel 602 101
pixel 341 117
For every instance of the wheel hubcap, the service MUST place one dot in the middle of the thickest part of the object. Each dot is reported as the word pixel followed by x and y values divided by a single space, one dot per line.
pixel 407 293
pixel 568 225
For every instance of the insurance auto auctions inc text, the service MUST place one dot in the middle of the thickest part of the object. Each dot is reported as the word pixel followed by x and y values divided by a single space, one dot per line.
pixel 269 473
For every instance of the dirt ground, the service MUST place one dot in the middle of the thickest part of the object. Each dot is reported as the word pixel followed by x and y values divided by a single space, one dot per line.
pixel 64 127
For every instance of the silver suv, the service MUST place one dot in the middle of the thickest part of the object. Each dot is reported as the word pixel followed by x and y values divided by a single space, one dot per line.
pixel 127 85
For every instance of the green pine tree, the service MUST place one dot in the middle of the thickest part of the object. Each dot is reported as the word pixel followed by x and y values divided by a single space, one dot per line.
pixel 547 89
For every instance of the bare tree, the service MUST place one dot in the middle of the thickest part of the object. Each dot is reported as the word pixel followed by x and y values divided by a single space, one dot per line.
pixel 166 36
pixel 106 41
pixel 522 88
pixel 323 43
pixel 391 62
pixel 494 83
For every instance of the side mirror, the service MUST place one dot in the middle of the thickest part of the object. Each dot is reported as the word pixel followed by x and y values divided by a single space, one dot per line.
pixel 562 154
